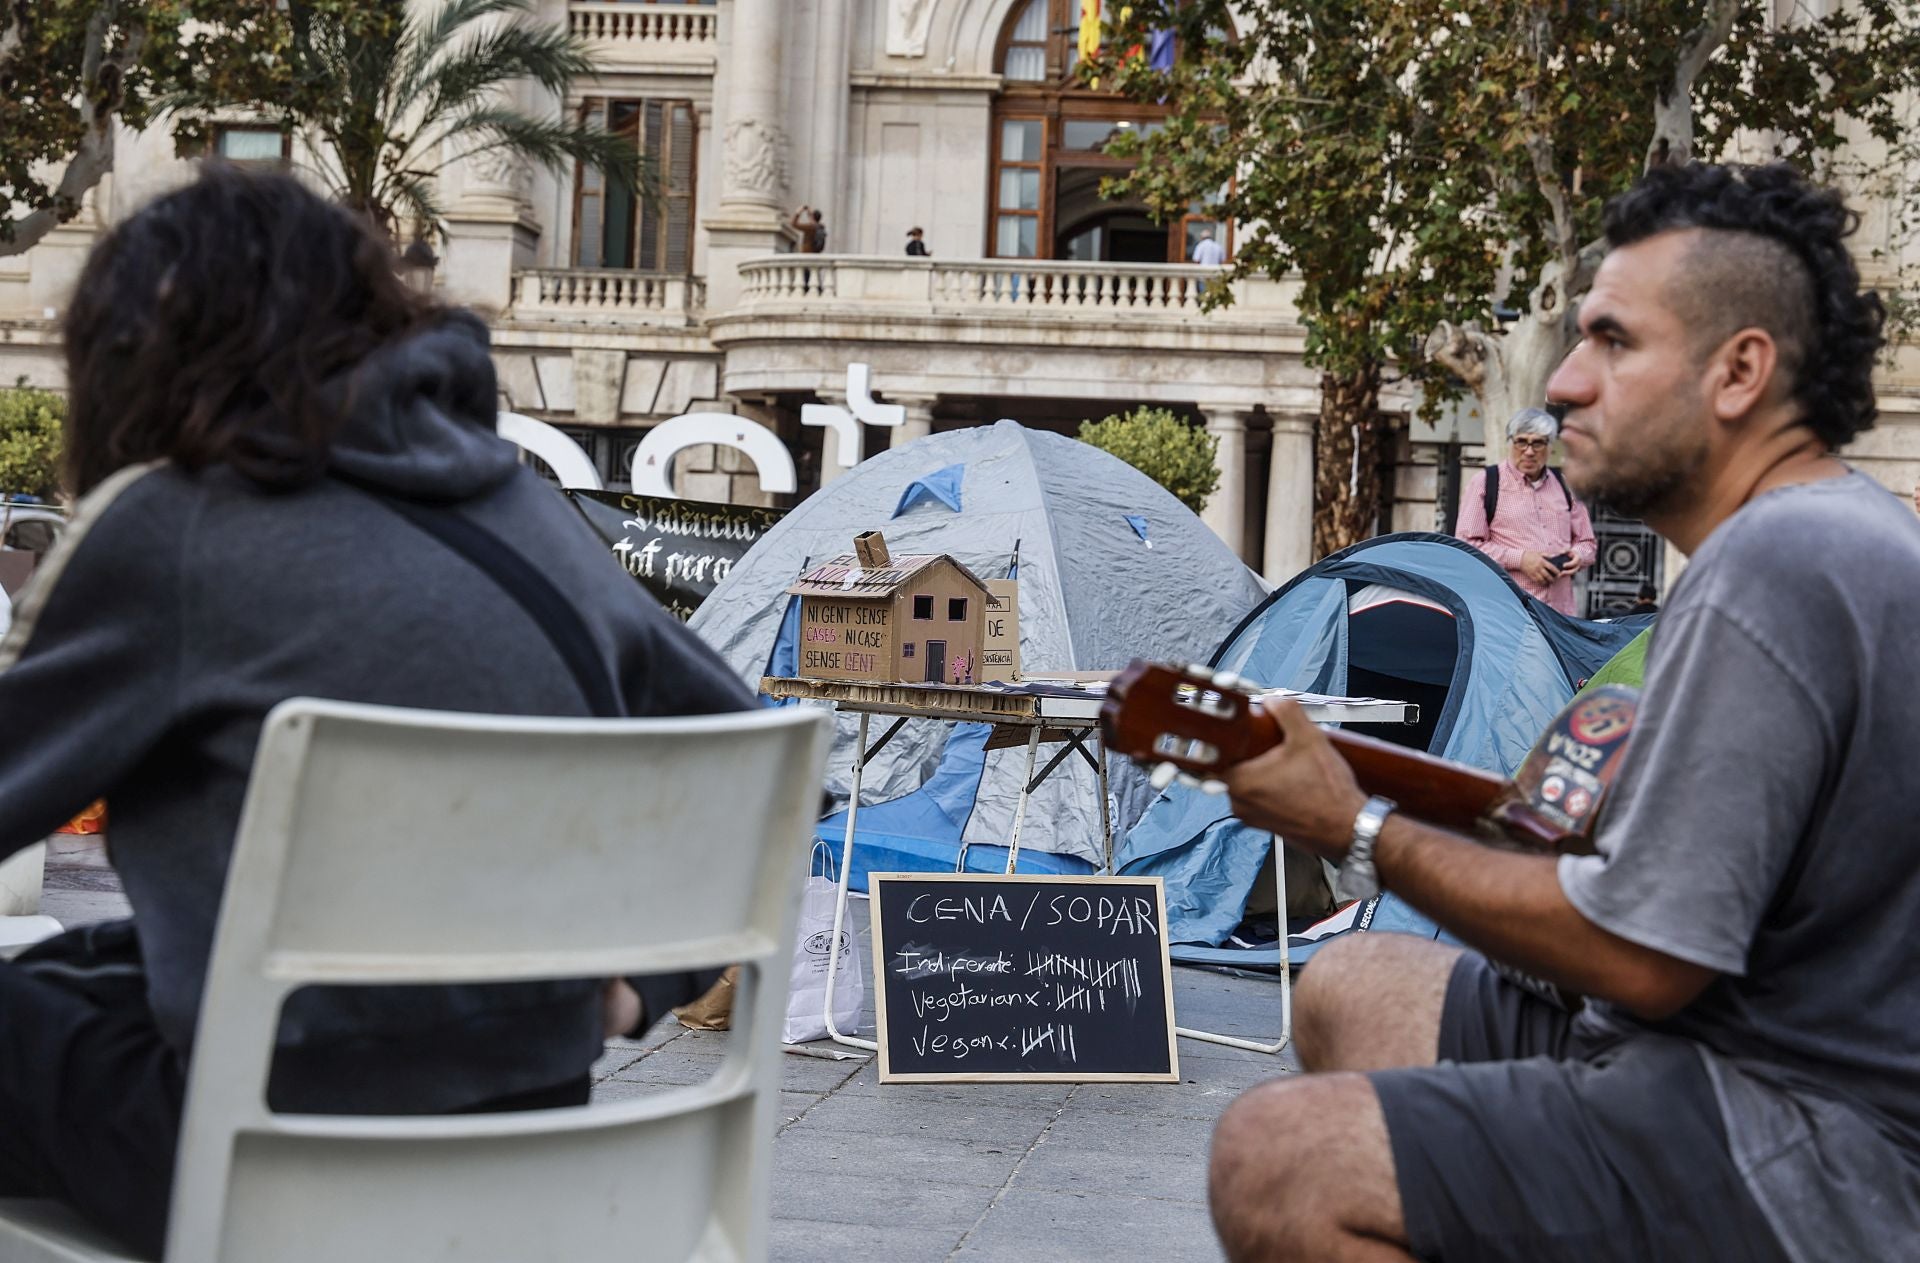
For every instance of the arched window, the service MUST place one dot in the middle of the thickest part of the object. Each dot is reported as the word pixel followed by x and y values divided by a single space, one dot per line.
pixel 1048 133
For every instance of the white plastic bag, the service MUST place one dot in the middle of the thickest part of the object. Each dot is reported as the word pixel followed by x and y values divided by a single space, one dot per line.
pixel 807 1002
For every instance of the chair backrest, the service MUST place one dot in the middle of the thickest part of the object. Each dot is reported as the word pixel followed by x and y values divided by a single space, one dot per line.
pixel 391 846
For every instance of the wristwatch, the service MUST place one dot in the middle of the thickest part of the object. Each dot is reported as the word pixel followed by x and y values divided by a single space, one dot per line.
pixel 1358 879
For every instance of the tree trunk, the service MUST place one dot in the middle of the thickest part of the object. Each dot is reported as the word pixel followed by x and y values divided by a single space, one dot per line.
pixel 1347 446
pixel 1510 372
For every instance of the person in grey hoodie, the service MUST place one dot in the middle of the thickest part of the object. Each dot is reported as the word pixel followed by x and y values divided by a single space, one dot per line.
pixel 256 400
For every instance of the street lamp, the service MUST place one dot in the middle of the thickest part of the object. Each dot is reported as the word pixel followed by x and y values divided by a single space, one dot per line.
pixel 417 262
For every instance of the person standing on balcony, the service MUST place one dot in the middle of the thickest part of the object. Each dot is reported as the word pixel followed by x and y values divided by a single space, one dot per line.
pixel 807 221
pixel 916 245
pixel 1207 252
pixel 1521 514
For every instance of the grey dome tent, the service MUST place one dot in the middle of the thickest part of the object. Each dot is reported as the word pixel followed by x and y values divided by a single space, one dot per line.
pixel 1415 617
pixel 1111 567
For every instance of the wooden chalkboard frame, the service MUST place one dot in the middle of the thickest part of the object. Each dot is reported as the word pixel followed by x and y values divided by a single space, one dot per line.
pixel 877 885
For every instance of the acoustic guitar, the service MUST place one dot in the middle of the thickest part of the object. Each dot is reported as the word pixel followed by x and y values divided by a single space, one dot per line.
pixel 1196 723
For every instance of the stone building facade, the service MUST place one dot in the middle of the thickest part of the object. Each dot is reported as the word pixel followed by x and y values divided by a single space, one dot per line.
pixel 1041 300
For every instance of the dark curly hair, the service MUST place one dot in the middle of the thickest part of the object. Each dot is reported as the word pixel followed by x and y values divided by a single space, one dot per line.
pixel 1774 256
pixel 205 329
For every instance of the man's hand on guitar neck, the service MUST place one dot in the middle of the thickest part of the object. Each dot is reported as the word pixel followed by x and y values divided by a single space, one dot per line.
pixel 1507 904
pixel 1301 789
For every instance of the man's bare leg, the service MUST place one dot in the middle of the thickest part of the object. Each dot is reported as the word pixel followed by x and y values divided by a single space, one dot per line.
pixel 1372 1002
pixel 1302 1167
pixel 1302 1170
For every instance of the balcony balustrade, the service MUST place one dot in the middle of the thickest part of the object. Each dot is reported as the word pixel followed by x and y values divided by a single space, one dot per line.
pixel 644 34
pixel 988 289
pixel 608 297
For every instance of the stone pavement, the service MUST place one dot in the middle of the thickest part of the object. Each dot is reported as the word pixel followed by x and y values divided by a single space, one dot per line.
pixel 908 1172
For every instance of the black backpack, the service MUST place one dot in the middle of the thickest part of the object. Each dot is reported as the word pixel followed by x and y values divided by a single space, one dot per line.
pixel 1493 489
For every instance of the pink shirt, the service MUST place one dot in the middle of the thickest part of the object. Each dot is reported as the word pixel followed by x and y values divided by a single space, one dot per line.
pixel 1530 517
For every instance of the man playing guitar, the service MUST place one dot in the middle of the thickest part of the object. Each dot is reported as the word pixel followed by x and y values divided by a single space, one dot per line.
pixel 1743 1081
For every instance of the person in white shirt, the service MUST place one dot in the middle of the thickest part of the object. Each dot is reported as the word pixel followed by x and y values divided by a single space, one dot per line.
pixel 1207 252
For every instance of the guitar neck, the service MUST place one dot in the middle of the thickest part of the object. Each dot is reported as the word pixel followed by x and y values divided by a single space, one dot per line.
pixel 1450 795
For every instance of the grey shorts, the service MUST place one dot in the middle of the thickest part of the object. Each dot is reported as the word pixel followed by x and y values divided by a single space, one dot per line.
pixel 1525 1145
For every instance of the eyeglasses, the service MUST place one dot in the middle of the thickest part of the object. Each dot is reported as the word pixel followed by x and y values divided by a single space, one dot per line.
pixel 1532 445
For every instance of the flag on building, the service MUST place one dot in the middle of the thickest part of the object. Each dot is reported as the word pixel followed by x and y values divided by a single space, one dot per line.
pixel 1089 29
pixel 1160 50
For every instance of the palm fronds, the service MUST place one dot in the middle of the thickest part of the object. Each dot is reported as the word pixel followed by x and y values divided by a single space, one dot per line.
pixel 393 98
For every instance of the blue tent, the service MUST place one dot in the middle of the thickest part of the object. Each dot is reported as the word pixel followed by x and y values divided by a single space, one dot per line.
pixel 1417 617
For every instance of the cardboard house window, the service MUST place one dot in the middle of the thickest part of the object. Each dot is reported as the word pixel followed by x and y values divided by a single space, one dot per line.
pixel 906 650
pixel 957 609
pixel 923 607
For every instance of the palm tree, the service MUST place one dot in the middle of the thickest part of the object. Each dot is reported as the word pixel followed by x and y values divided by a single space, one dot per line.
pixel 394 96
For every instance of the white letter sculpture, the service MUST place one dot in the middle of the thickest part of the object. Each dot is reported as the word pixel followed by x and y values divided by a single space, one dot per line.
pixel 569 463
pixel 842 422
pixel 656 451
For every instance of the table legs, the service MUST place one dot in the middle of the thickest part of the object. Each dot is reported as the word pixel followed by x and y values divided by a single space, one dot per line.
pixel 840 897
pixel 1286 977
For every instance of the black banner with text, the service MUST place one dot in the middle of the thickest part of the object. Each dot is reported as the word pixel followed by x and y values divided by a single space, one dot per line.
pixel 679 550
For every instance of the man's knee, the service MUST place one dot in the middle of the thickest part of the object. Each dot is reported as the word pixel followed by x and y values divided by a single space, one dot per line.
pixel 1371 1001
pixel 1284 1173
pixel 1255 1164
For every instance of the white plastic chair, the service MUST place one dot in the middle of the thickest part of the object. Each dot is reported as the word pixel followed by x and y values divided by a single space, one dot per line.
pixel 392 846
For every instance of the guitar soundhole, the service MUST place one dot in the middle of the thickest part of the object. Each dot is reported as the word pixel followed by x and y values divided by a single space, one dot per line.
pixel 1189 750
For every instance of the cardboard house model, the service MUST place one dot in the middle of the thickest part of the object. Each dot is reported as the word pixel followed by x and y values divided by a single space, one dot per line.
pixel 916 618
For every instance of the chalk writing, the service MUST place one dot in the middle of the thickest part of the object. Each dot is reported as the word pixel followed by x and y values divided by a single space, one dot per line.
pixel 1022 977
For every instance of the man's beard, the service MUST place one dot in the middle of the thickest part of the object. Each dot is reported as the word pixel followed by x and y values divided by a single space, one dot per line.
pixel 1649 483
pixel 1646 490
pixel 1659 472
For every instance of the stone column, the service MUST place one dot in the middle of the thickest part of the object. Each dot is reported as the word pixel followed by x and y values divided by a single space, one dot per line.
pixel 826 183
pixel 919 422
pixel 491 229
pixel 1290 499
pixel 753 147
pixel 1226 510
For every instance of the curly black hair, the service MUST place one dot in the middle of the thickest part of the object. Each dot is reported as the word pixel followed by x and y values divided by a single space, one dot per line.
pixel 205 327
pixel 1796 280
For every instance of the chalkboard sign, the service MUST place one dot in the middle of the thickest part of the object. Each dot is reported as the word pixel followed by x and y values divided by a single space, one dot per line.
pixel 1051 978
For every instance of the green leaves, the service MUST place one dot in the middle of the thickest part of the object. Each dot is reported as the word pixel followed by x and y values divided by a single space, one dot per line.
pixel 1412 159
pixel 393 96
pixel 1173 453
pixel 30 438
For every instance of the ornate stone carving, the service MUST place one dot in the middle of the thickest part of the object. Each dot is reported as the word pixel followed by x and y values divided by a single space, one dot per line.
pixel 907 24
pixel 500 172
pixel 756 158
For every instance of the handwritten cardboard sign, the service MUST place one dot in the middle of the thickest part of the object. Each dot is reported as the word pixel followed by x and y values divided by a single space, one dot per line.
pixel 1000 646
pixel 1040 978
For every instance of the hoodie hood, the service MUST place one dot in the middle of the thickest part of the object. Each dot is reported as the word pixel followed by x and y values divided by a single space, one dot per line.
pixel 421 415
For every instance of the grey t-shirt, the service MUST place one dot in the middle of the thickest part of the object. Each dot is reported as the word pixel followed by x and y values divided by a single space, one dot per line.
pixel 1766 824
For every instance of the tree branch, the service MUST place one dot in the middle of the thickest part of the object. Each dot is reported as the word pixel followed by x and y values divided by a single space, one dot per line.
pixel 103 87
pixel 1673 104
pixel 13 34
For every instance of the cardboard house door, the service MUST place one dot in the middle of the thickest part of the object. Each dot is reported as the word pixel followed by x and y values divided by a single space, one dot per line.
pixel 936 662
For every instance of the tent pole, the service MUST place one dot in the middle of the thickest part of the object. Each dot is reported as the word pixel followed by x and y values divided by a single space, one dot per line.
pixel 1106 817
